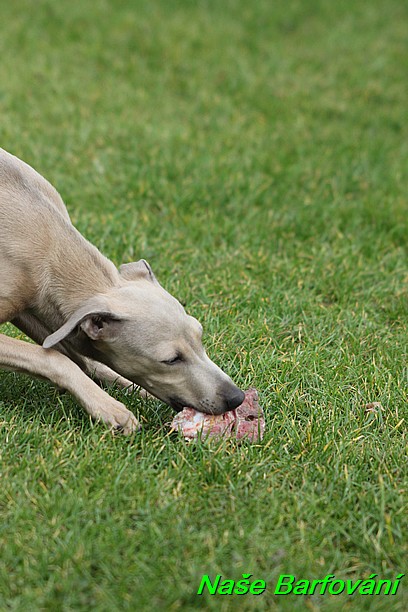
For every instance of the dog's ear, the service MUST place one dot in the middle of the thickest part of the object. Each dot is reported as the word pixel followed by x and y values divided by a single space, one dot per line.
pixel 137 270
pixel 98 324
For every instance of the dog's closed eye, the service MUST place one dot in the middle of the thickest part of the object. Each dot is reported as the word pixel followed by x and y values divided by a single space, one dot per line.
pixel 176 359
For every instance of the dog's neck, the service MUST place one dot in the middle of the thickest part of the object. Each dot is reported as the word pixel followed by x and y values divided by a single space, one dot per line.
pixel 76 273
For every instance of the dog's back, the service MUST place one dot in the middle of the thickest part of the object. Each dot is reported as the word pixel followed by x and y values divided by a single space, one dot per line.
pixel 27 203
pixel 39 246
pixel 19 181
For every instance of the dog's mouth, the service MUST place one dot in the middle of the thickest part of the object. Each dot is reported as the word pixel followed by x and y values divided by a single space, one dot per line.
pixel 176 403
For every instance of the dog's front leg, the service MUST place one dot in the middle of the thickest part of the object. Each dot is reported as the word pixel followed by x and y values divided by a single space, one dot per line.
pixel 102 372
pixel 20 356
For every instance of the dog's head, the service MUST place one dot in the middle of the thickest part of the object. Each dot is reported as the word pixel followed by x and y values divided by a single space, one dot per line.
pixel 143 333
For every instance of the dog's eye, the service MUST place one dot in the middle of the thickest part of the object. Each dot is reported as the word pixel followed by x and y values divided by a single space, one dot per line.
pixel 174 359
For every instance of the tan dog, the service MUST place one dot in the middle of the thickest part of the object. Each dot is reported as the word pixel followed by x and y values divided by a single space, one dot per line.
pixel 117 325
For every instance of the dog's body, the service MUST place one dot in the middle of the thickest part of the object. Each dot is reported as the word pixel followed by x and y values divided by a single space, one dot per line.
pixel 118 325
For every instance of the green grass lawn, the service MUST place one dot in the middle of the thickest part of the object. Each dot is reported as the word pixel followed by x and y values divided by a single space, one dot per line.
pixel 256 155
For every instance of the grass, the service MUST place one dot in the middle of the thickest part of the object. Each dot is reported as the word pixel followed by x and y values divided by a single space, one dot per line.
pixel 255 155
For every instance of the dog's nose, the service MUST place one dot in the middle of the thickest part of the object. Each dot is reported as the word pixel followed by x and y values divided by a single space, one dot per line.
pixel 235 399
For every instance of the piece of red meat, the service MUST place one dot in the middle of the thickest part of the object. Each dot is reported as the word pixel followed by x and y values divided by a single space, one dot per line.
pixel 246 421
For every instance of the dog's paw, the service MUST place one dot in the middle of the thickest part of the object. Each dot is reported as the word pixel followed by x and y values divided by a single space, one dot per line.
pixel 128 425
pixel 119 418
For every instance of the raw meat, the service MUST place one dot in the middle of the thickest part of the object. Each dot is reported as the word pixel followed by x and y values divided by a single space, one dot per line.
pixel 246 421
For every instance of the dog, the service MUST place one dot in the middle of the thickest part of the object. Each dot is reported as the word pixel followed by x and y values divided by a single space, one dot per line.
pixel 90 319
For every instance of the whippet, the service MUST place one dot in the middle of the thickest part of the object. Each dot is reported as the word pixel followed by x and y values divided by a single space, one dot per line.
pixel 88 317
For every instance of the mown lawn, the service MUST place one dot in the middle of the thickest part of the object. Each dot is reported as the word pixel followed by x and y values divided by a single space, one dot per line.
pixel 256 155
